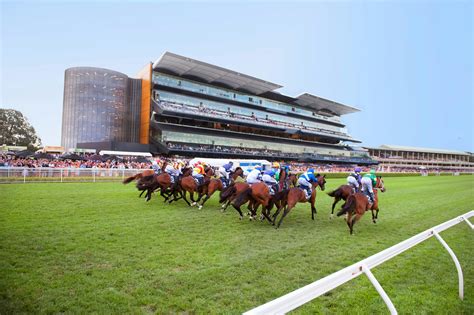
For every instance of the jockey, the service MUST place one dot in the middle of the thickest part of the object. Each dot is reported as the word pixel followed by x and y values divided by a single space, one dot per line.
pixel 368 182
pixel 354 179
pixel 305 180
pixel 276 168
pixel 173 171
pixel 254 176
pixel 198 173
pixel 225 170
pixel 156 167
pixel 270 181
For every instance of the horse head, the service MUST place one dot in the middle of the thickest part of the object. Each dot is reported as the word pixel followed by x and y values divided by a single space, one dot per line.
pixel 238 172
pixel 321 181
pixel 209 171
pixel 187 171
pixel 380 184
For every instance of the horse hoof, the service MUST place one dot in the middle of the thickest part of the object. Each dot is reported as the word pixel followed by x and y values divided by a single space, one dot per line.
pixel 241 218
pixel 199 207
pixel 193 204
pixel 331 216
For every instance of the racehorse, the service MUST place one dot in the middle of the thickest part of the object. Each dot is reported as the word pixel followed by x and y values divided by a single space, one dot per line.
pixel 295 195
pixel 357 204
pixel 148 179
pixel 258 194
pixel 230 193
pixel 213 185
pixel 187 183
pixel 342 192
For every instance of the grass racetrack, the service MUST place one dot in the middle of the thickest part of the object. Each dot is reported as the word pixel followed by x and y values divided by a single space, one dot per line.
pixel 97 248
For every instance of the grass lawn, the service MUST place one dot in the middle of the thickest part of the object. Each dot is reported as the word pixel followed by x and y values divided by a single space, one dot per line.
pixel 97 248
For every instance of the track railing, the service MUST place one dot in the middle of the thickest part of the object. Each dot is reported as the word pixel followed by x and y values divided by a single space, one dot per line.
pixel 307 293
pixel 63 175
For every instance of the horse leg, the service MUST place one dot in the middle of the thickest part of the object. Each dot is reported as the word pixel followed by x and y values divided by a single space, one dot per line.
pixel 336 200
pixel 143 191
pixel 287 209
pixel 313 208
pixel 183 194
pixel 354 220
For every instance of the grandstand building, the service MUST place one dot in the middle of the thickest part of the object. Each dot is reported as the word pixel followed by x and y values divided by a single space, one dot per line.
pixel 394 158
pixel 188 107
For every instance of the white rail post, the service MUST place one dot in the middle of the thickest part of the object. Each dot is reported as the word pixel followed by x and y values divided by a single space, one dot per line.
pixel 468 222
pixel 61 170
pixel 456 262
pixel 380 290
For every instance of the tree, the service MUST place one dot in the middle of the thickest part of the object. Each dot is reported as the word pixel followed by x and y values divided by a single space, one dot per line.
pixel 15 129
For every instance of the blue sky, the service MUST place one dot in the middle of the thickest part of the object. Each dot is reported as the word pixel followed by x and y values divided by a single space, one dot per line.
pixel 408 65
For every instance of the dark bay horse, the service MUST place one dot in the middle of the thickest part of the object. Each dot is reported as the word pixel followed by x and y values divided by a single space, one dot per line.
pixel 342 192
pixel 188 184
pixel 295 195
pixel 230 193
pixel 213 185
pixel 357 204
pixel 257 194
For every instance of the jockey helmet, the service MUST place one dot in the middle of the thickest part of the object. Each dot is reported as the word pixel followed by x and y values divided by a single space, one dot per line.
pixel 231 163
pixel 311 171
pixel 271 173
pixel 276 165
pixel 357 170
pixel 372 171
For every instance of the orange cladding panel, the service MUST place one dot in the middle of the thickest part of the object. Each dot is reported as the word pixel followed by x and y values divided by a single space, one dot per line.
pixel 145 76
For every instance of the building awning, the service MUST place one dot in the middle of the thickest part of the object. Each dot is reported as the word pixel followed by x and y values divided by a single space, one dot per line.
pixel 321 104
pixel 184 66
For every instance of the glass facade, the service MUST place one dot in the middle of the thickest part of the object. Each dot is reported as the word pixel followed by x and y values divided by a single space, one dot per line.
pixel 189 138
pixel 98 107
pixel 165 96
pixel 180 83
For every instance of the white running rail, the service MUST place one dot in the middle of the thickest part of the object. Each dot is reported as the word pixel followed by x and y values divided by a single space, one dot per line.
pixel 307 293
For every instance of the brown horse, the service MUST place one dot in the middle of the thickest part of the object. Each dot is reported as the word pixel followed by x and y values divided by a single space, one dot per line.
pixel 148 181
pixel 258 194
pixel 357 204
pixel 230 193
pixel 342 192
pixel 295 195
pixel 188 184
pixel 213 185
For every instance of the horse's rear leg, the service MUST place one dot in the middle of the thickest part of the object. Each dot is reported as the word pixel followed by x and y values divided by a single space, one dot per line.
pixel 141 194
pixel 353 221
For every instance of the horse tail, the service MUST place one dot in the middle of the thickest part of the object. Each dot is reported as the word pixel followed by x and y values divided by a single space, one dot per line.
pixel 349 206
pixel 240 199
pixel 226 193
pixel 334 193
pixel 132 178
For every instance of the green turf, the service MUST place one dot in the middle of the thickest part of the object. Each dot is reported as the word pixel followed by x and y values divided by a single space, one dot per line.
pixel 97 248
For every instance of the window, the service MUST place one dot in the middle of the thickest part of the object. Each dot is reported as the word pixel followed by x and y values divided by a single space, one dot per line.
pixel 250 99
pixel 260 101
pixel 293 109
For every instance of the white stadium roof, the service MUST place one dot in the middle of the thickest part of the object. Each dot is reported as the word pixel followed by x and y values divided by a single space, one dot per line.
pixel 417 149
pixel 319 103
pixel 213 74
pixel 184 66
